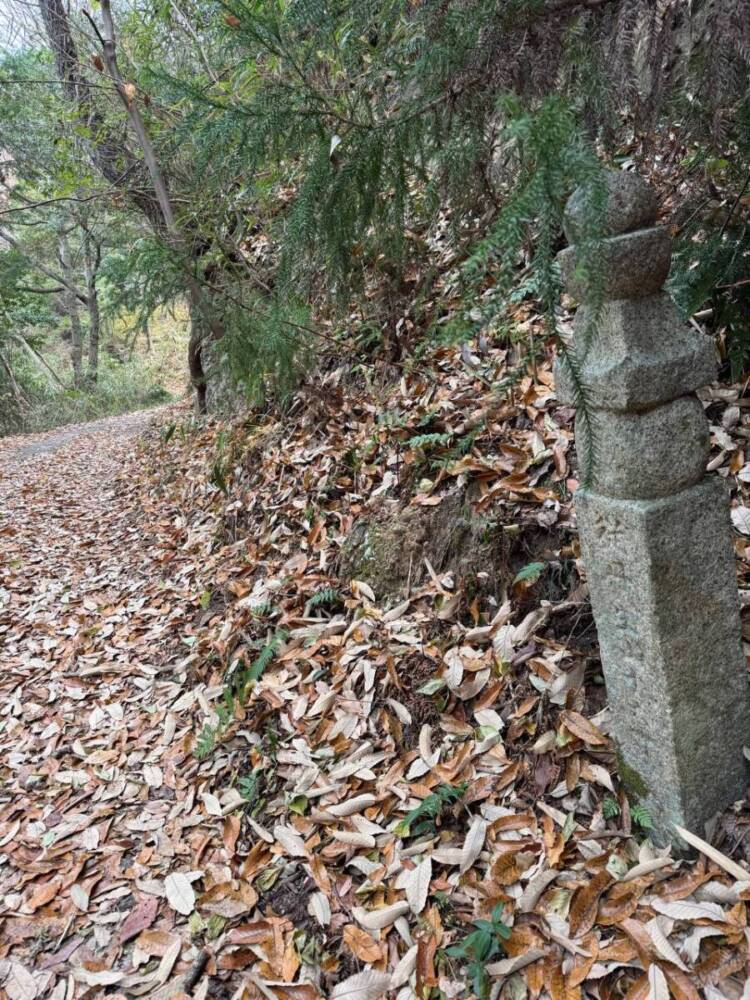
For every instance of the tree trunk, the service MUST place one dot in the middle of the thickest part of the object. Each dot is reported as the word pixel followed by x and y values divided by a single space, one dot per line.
pixel 108 153
pixel 76 344
pixel 112 158
pixel 17 394
pixel 195 360
pixel 71 308
pixel 204 325
pixel 52 377
pixel 92 259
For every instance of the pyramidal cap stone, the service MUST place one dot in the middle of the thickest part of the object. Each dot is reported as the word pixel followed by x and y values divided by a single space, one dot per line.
pixel 641 354
pixel 655 530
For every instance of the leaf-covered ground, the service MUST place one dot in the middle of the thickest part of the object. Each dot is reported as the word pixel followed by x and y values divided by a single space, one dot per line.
pixel 227 772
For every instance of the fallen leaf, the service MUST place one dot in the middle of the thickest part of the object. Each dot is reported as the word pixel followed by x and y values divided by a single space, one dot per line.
pixel 180 894
pixel 369 985
pixel 417 885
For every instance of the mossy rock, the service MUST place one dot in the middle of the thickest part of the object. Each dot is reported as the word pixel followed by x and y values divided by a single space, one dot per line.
pixel 388 548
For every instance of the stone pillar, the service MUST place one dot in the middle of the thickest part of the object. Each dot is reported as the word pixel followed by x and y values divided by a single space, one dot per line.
pixel 654 527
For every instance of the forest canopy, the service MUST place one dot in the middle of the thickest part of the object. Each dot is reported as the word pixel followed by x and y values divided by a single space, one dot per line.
pixel 306 179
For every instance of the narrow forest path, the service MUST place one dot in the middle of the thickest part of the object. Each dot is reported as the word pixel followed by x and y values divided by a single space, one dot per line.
pixel 86 639
pixel 21 448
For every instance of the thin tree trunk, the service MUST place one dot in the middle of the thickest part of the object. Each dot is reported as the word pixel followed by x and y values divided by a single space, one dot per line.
pixel 114 161
pixel 52 376
pixel 71 308
pixel 203 325
pixel 18 395
pixel 76 343
pixel 92 258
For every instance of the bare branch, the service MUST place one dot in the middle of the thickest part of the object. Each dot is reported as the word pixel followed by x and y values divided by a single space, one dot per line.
pixel 42 268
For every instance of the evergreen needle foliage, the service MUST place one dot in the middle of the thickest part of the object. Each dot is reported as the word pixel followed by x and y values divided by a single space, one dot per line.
pixel 320 159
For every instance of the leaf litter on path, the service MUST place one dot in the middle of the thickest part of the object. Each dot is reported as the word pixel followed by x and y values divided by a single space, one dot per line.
pixel 345 824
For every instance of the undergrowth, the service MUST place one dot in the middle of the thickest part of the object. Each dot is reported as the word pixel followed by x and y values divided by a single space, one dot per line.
pixel 234 696
pixel 120 389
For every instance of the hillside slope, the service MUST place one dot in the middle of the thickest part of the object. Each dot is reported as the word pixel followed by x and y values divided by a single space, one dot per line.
pixel 232 767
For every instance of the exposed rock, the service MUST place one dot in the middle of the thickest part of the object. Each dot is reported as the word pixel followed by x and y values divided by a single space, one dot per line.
pixel 388 549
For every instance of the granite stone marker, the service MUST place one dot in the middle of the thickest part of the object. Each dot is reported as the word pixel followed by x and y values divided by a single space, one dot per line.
pixel 654 527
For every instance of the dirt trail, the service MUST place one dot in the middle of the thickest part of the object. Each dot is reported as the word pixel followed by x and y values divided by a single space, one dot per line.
pixel 90 617
pixel 22 447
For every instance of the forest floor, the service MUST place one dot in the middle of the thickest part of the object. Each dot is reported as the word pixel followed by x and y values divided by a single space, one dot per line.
pixel 228 772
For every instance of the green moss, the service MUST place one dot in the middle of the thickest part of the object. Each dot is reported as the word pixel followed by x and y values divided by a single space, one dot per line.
pixel 633 783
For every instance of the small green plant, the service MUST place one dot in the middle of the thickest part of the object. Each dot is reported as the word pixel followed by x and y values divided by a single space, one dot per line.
pixel 427 441
pixel 641 817
pixel 425 817
pixel 480 947
pixel 255 671
pixel 327 597
pixel 530 574
pixel 263 610
pixel 610 807
pixel 220 466
pixel 167 432
pixel 638 812
pixel 235 693
pixel 249 786
pixel 206 742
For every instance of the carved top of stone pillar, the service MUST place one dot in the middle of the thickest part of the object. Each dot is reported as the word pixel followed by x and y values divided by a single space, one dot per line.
pixel 635 255
pixel 640 353
pixel 630 204
pixel 639 363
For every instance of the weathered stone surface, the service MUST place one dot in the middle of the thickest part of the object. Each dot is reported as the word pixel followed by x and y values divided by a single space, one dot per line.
pixel 655 540
pixel 631 266
pixel 630 204
pixel 661 575
pixel 649 454
pixel 641 354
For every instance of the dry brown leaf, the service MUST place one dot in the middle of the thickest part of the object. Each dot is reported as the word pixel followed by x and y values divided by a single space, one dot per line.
pixel 18 982
pixel 658 988
pixel 365 947
pixel 417 885
pixel 581 727
pixel 473 843
pixel 368 985
pixel 290 840
pixel 720 964
pixel 585 904
pixel 559 988
pixel 681 985
pixel 404 968
pixel 375 920
pixel 155 942
pixel 44 894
